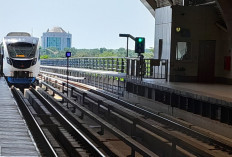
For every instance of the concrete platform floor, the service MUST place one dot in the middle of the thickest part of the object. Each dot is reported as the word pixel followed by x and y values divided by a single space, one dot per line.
pixel 218 91
pixel 15 138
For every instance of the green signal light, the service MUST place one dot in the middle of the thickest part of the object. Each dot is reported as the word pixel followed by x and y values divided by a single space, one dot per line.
pixel 139 45
pixel 140 40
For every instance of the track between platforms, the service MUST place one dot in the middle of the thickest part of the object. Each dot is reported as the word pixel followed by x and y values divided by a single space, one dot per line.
pixel 53 133
pixel 149 129
pixel 40 138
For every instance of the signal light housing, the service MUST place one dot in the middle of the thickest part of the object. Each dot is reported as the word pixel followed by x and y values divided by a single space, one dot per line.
pixel 68 54
pixel 139 45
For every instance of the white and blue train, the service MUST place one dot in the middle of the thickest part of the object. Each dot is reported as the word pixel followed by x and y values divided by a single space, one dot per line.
pixel 20 58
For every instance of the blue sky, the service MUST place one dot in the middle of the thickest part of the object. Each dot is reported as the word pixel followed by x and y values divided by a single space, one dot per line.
pixel 92 23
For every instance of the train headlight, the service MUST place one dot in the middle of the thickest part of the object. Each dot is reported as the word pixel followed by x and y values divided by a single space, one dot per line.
pixel 8 60
pixel 34 61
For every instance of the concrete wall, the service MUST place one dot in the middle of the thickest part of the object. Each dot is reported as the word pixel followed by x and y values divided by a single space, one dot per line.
pixel 200 21
pixel 163 23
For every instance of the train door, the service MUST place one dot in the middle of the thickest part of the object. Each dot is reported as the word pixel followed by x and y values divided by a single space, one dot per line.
pixel 206 61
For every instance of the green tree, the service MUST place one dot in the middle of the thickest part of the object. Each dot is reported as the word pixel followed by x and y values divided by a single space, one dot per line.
pixel 107 54
pixel 149 53
pixel 44 57
pixel 103 50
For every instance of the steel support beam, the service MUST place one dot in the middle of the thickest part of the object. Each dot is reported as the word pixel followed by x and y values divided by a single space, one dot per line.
pixel 171 2
pixel 151 5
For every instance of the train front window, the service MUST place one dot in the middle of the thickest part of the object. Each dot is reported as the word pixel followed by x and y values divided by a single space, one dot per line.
pixel 21 50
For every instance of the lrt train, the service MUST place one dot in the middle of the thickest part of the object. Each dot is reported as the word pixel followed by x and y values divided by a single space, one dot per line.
pixel 20 58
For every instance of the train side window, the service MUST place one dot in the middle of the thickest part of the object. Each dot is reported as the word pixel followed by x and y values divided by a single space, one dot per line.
pixel 183 51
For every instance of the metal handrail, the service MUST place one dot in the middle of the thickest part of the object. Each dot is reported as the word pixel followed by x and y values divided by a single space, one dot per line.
pixel 153 68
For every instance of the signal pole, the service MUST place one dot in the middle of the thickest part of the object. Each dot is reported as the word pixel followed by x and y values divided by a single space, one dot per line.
pixel 140 48
pixel 68 54
pixel 127 41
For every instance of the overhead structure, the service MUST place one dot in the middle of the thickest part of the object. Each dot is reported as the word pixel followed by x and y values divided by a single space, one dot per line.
pixel 151 5
pixel 163 3
pixel 224 7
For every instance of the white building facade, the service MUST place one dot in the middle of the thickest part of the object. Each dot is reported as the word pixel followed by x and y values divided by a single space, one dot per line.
pixel 56 37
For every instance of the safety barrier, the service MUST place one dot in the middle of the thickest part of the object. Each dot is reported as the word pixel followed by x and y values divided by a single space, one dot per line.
pixel 151 68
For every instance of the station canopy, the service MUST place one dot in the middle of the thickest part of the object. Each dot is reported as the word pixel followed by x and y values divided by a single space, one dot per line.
pixel 151 5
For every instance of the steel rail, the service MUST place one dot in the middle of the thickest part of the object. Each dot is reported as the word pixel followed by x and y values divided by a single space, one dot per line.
pixel 94 150
pixel 44 145
pixel 156 117
pixel 159 131
pixel 63 76
pixel 125 138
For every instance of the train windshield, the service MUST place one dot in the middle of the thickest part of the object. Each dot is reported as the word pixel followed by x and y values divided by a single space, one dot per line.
pixel 21 50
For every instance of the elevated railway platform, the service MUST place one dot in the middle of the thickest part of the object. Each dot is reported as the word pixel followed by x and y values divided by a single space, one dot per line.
pixel 15 138
pixel 204 105
pixel 212 91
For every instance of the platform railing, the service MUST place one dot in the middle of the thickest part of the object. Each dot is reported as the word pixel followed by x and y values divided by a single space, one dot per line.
pixel 96 63
pixel 152 68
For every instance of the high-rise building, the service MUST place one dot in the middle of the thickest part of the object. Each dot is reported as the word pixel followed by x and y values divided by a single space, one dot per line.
pixel 56 37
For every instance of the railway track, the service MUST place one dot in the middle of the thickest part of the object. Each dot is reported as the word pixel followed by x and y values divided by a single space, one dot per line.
pixel 173 138
pixel 97 127
pixel 53 133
